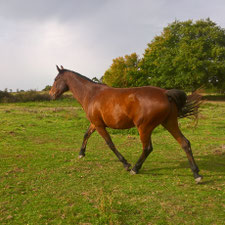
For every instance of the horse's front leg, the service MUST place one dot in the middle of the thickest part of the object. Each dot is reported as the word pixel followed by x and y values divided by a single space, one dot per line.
pixel 90 131
pixel 102 131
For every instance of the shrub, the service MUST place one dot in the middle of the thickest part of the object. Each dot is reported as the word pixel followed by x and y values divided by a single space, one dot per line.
pixel 6 96
pixel 27 96
pixel 31 96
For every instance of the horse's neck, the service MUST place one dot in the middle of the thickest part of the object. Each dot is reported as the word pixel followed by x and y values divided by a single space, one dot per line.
pixel 81 88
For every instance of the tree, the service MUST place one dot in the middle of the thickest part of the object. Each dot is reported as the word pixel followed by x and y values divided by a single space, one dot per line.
pixel 47 88
pixel 124 72
pixel 186 55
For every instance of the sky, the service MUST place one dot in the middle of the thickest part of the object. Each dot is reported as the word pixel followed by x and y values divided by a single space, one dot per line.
pixel 83 35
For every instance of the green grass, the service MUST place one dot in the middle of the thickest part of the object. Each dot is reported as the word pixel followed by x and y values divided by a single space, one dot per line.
pixel 43 182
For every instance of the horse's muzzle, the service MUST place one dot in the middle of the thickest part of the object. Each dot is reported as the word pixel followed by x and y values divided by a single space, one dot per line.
pixel 52 95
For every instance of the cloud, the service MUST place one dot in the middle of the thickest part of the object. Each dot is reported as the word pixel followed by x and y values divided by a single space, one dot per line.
pixel 44 10
pixel 83 35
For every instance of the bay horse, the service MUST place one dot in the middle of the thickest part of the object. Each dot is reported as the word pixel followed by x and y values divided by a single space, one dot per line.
pixel 122 108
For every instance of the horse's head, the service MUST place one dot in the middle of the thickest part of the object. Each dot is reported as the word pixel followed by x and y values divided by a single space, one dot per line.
pixel 59 86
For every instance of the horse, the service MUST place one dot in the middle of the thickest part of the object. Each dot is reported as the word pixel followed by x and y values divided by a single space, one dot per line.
pixel 122 108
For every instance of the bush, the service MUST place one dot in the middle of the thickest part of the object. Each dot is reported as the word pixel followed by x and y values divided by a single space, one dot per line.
pixel 6 97
pixel 31 96
pixel 27 96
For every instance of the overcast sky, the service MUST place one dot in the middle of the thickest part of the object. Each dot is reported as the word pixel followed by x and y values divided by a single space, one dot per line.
pixel 83 35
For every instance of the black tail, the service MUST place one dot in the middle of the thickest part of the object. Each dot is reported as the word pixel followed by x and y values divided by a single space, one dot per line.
pixel 187 105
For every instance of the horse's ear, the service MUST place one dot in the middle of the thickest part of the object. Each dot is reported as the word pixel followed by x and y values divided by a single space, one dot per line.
pixel 62 67
pixel 58 68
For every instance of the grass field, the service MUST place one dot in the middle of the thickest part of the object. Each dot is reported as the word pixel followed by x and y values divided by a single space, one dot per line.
pixel 43 182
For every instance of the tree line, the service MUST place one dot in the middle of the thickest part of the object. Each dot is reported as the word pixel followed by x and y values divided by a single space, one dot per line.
pixel 186 55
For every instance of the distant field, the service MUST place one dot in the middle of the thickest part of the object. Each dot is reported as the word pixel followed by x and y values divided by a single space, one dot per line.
pixel 43 182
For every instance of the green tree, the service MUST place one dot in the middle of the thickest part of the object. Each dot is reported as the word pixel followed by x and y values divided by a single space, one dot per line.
pixel 47 88
pixel 186 55
pixel 124 72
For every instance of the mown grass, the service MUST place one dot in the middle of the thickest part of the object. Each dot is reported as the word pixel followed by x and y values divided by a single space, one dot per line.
pixel 43 182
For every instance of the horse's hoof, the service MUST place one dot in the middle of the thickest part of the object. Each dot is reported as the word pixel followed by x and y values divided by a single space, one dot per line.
pixel 132 172
pixel 127 167
pixel 81 156
pixel 198 179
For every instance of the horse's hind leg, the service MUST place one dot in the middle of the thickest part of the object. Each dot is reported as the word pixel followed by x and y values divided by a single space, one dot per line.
pixel 145 136
pixel 102 131
pixel 90 130
pixel 172 127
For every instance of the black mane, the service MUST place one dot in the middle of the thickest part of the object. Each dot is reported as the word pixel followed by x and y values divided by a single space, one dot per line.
pixel 78 74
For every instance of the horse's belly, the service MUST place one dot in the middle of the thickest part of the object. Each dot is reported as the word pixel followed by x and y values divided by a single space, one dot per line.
pixel 123 124
pixel 118 121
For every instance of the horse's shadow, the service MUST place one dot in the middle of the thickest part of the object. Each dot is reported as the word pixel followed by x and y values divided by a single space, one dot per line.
pixel 212 163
